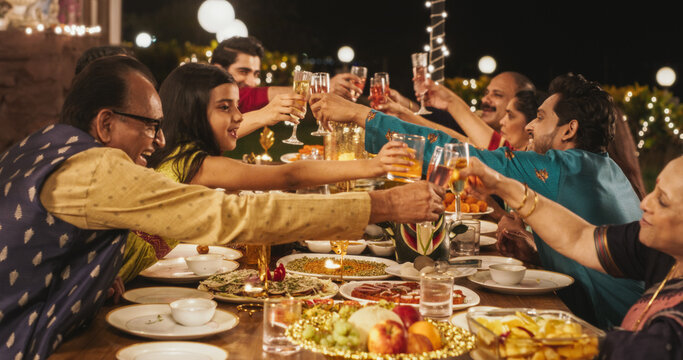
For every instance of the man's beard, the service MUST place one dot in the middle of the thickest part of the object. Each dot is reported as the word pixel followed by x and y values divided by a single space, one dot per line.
pixel 543 143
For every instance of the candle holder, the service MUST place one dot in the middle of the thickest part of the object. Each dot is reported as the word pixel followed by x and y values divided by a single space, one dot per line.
pixel 266 140
pixel 263 262
pixel 340 247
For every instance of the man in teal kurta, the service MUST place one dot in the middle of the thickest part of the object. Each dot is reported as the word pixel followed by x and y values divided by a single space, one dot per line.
pixel 568 165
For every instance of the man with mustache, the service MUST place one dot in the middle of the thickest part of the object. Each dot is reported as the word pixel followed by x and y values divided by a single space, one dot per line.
pixel 568 164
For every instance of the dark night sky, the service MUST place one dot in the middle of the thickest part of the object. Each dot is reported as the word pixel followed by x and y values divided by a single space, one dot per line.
pixel 617 47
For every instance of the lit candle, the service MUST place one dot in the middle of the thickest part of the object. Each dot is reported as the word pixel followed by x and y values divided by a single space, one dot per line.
pixel 331 264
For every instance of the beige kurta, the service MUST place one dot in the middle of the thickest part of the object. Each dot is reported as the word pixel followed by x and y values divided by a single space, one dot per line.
pixel 101 188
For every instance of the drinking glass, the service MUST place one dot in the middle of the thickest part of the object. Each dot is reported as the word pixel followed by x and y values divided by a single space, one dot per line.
pixel 420 79
pixel 362 73
pixel 301 86
pixel 439 173
pixel 413 172
pixel 466 241
pixel 436 295
pixel 379 89
pixel 320 84
pixel 278 314
pixel 459 160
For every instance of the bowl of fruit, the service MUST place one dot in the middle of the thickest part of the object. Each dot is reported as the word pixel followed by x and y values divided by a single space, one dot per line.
pixel 384 330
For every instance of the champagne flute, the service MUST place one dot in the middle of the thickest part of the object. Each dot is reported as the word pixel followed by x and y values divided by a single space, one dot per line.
pixel 301 86
pixel 340 247
pixel 420 78
pixel 320 84
pixel 362 73
pixel 459 161
pixel 439 173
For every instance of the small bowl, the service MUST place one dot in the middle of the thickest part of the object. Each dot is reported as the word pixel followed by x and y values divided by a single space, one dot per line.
pixel 193 311
pixel 319 246
pixel 507 274
pixel 356 247
pixel 382 248
pixel 204 264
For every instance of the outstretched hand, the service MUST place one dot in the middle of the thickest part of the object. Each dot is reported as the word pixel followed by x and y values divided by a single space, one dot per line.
pixel 391 156
pixel 282 105
pixel 438 96
pixel 515 241
pixel 331 107
pixel 481 178
pixel 342 85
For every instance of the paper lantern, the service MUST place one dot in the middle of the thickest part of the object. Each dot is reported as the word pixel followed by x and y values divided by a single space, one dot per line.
pixel 214 15
pixel 235 28
pixel 345 54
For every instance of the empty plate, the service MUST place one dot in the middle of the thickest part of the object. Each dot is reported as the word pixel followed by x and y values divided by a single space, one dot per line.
pixel 171 350
pixel 163 294
pixel 534 282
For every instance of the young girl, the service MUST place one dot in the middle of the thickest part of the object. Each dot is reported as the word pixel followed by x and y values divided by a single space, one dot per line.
pixel 200 123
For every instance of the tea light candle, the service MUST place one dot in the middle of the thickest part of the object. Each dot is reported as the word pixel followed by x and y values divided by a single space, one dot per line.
pixel 331 264
pixel 252 289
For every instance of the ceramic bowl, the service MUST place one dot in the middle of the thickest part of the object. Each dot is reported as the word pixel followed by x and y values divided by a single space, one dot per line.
pixel 356 247
pixel 507 274
pixel 193 311
pixel 382 248
pixel 319 246
pixel 204 264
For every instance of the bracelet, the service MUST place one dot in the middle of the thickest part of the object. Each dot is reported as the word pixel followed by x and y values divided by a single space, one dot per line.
pixel 526 193
pixel 532 208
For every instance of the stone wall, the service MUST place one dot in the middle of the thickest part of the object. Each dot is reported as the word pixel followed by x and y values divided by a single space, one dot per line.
pixel 35 73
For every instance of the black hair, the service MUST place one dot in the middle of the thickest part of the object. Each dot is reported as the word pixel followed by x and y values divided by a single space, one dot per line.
pixel 226 52
pixel 102 84
pixel 97 52
pixel 185 97
pixel 528 102
pixel 590 105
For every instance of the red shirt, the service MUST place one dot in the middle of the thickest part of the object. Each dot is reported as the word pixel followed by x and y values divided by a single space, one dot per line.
pixel 497 141
pixel 252 98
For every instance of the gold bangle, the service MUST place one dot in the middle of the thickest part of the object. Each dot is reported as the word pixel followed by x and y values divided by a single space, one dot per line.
pixel 532 208
pixel 526 193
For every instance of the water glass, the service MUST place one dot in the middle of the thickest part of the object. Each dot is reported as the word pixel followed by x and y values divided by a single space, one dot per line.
pixel 466 241
pixel 413 172
pixel 278 314
pixel 362 73
pixel 436 295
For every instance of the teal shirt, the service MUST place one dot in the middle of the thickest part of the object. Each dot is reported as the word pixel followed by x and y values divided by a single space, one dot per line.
pixel 590 185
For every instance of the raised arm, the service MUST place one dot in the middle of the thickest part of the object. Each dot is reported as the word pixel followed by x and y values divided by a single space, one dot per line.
pixel 560 228
pixel 476 129
pixel 230 174
pixel 278 109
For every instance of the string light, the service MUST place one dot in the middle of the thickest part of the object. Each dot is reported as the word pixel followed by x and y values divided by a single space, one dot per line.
pixel 473 109
pixel 429 29
pixel 29 31
pixel 40 27
pixel 439 40
pixel 283 65
pixel 430 68
pixel 474 101
pixel 428 4
pixel 427 48
pixel 444 14
pixel 650 105
pixel 209 53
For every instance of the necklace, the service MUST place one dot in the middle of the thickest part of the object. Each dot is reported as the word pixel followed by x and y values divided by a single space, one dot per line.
pixel 654 296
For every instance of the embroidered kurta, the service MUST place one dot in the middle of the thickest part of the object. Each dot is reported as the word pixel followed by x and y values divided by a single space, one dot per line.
pixel 590 185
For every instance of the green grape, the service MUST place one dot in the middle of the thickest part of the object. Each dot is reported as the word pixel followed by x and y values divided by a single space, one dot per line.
pixel 354 340
pixel 324 342
pixel 340 340
pixel 308 332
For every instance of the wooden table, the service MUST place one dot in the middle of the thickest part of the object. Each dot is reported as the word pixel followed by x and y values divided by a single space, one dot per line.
pixel 101 341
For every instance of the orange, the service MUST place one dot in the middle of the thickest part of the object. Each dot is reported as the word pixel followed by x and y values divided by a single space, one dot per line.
pixel 427 329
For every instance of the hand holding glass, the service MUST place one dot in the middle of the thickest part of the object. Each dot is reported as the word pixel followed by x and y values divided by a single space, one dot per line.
pixel 416 146
pixel 362 73
pixel 320 84
pixel 459 161
pixel 301 86
pixel 379 89
pixel 420 79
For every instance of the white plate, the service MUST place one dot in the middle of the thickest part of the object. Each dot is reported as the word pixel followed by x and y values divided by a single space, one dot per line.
pixel 171 350
pixel 472 215
pixel 163 294
pixel 471 298
pixel 288 258
pixel 460 319
pixel 154 321
pixel 289 157
pixel 487 227
pixel 534 282
pixel 488 260
pixel 456 272
pixel 185 250
pixel 487 240
pixel 175 271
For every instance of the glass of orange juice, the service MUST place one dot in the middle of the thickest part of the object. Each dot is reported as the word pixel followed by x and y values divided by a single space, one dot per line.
pixel 413 172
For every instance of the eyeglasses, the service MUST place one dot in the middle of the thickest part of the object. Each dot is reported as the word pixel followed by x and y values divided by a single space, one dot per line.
pixel 148 121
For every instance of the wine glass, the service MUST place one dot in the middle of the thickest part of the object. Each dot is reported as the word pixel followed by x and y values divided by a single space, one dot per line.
pixel 439 173
pixel 301 86
pixel 320 84
pixel 379 89
pixel 362 73
pixel 340 247
pixel 420 78
pixel 459 161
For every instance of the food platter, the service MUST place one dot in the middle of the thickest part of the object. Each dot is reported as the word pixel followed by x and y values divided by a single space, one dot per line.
pixel 346 290
pixel 229 287
pixel 154 321
pixel 534 282
pixel 175 271
pixel 472 215
pixel 378 264
pixel 185 250
pixel 456 272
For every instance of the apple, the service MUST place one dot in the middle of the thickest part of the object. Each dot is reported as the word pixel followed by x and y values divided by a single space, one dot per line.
pixel 387 337
pixel 418 343
pixel 408 314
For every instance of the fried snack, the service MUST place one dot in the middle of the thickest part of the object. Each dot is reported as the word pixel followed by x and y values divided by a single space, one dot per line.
pixel 202 249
